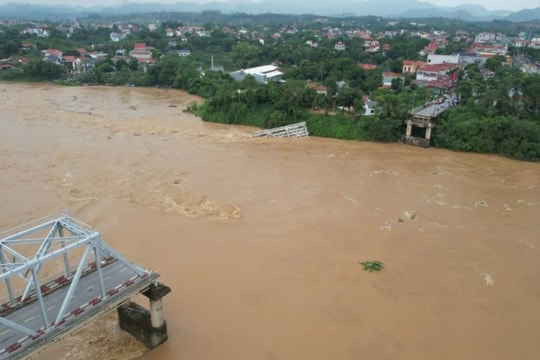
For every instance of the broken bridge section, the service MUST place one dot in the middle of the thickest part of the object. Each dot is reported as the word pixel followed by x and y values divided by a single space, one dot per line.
pixel 57 275
pixel 424 118
pixel 293 130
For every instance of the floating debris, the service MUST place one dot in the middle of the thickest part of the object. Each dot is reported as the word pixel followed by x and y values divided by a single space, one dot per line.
pixel 481 203
pixel 386 226
pixel 407 216
pixel 488 278
pixel 372 265
pixel 507 207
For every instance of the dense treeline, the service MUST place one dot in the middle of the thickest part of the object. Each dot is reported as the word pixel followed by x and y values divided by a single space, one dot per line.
pixel 499 109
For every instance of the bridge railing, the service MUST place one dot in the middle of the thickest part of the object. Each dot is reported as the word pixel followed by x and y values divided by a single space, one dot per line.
pixel 416 109
pixel 77 318
pixel 17 228
pixel 43 220
pixel 47 285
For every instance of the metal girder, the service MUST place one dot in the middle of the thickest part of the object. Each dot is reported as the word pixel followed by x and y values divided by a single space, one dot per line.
pixel 45 245
pixel 73 285
pixel 17 326
pixel 37 259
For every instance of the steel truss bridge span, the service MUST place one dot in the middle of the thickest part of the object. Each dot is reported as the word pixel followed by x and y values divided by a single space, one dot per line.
pixel 90 279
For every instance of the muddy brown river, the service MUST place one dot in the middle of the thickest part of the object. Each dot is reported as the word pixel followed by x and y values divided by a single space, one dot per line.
pixel 261 239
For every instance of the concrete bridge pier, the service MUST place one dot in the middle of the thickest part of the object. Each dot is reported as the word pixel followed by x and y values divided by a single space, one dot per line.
pixel 428 131
pixel 147 326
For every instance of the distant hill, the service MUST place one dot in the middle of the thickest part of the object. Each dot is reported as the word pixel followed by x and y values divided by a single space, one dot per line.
pixel 36 12
pixel 525 15
pixel 384 8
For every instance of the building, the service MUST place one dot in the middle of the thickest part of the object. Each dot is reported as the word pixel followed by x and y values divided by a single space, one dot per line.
pixel 489 49
pixel 142 53
pixel 434 59
pixel 263 74
pixel 485 37
pixel 430 72
pixel 411 66
pixel 370 107
pixel 470 58
pixel 340 46
pixel 321 89
pixel 388 77
pixel 181 53
pixel 430 49
pixel 367 66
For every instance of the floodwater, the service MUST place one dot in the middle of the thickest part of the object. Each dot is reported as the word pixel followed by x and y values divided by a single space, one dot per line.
pixel 261 239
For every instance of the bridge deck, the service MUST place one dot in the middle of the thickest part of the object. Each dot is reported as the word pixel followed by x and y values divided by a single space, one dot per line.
pixel 121 283
pixel 431 111
pixel 293 130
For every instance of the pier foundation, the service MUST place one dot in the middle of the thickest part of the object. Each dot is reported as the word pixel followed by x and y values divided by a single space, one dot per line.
pixel 147 326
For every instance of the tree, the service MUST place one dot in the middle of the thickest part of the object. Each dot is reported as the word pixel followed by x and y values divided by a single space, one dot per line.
pixel 43 70
pixel 245 55
pixel 495 62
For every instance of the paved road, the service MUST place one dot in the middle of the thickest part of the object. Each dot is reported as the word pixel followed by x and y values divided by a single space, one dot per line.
pixel 88 288
pixel 434 110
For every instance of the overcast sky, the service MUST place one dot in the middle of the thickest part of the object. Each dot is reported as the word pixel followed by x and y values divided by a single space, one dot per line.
pixel 488 4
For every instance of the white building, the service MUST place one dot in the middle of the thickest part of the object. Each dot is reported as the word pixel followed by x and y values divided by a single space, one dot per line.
pixel 434 59
pixel 262 74
pixel 370 107
pixel 340 46
pixel 485 37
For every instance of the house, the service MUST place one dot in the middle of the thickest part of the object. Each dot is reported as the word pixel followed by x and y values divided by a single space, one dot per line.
pixel 519 43
pixel 367 66
pixel 430 72
pixel 69 60
pixel 470 58
pixel 28 46
pixel 6 66
pixel 321 89
pixel 82 51
pixel 142 53
pixel 535 43
pixel 485 37
pixel 435 59
pixel 98 56
pixel 373 48
pixel 181 53
pixel 341 84
pixel 52 59
pixel 340 46
pixel 430 49
pixel 438 86
pixel 369 42
pixel 116 36
pixel 489 49
pixel 370 107
pixel 54 52
pixel 388 77
pixel 263 74
pixel 411 66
